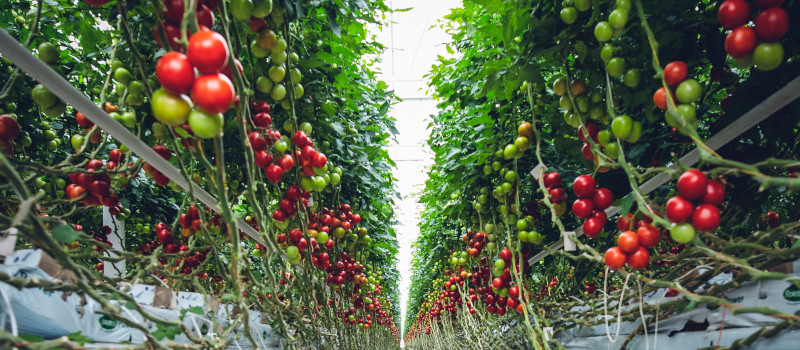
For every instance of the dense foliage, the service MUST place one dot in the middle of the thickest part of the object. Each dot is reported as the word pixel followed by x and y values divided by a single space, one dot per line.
pixel 520 71
pixel 308 66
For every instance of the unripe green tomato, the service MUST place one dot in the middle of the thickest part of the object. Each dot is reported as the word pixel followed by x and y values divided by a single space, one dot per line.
pixel 603 31
pixel 616 67
pixel 487 169
pixel 632 77
pixel 522 236
pixel 612 150
pixel 583 103
pixel 278 92
pixel 278 57
pixel 636 132
pixel 618 18
pixel 604 137
pixel 596 113
pixel 264 84
pixel 257 50
pixel 565 103
pixel 569 15
pixel 768 56
pixel 621 126
pixel 607 52
pixel 689 91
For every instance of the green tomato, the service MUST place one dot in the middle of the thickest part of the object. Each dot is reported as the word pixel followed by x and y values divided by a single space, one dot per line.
pixel 636 132
pixel 205 125
pixel 506 187
pixel 42 96
pixel 583 103
pixel 281 146
pixel 257 50
pixel 295 75
pixel 294 254
pixel 280 45
pixel 622 126
pixel 596 113
pixel 618 18
pixel 335 179
pixel 278 92
pixel 306 128
pixel 510 151
pixel 682 233
pixel 572 119
pixel 565 103
pixel 170 109
pixel 569 15
pixel 299 91
pixel 48 53
pixel 607 52
pixel 632 77
pixel 277 73
pixel 768 56
pixel 604 137
pixel 612 150
pixel 487 169
pixel 689 91
pixel 242 9
pixel 522 224
pixel 624 4
pixel 264 84
pixel 510 176
pixel 135 87
pixel 76 141
pixel 128 119
pixel 744 62
pixel 603 31
pixel 616 67
pixel 122 76
pixel 583 5
pixel 262 8
pixel 278 57
pixel 294 58
pixel 55 110
pixel 499 264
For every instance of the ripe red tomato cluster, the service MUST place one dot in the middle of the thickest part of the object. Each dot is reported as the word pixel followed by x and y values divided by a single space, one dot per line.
pixel 770 25
pixel 173 19
pixel 94 189
pixel 190 221
pixel 696 202
pixel 476 242
pixel 590 288
pixel 9 130
pixel 771 218
pixel 288 206
pixel 591 204
pixel 161 179
pixel 212 92
pixel 100 236
pixel 552 181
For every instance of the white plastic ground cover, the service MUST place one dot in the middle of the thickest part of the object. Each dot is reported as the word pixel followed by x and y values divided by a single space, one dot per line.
pixel 50 315
pixel 766 108
pixel 786 340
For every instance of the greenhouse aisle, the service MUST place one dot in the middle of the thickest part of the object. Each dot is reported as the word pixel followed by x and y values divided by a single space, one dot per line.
pixel 412 47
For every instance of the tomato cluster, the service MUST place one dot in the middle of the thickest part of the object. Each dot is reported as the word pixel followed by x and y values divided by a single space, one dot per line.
pixel 173 20
pixel 591 204
pixel 696 202
pixel 742 43
pixel 552 181
pixel 9 130
pixel 683 92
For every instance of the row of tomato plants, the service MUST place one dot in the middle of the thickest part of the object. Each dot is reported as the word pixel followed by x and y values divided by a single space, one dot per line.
pixel 268 106
pixel 599 96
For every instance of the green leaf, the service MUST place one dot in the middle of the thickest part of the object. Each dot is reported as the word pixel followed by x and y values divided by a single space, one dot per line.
pixel 65 234
pixel 32 338
pixel 625 207
pixel 80 338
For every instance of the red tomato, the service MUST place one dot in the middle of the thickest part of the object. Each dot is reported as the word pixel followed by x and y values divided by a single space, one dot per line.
pixel 586 150
pixel 205 17
pixel 705 218
pixel 591 128
pixel 552 180
pixel 213 93
pixel 615 258
pixel 263 159
pixel 660 98
pixel 582 208
pixel 9 128
pixel 287 162
pixel 772 24
pixel 319 160
pixel 592 227
pixel 675 72
pixel 692 184
pixel 627 222
pixel 679 209
pixel 649 235
pixel 557 194
pixel 600 215
pixel 173 33
pixel 173 11
pixel 274 174
pixel 83 121
pixel 603 198
pixel 175 73
pixel 715 192
pixel 208 51
pixel 733 13
pixel 639 259
pixel 584 186
pixel 628 242
pixel 740 42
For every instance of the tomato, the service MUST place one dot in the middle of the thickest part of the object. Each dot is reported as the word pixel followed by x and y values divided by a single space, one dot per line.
pixel 675 72
pixel 618 18
pixel 205 17
pixel 583 5
pixel 628 242
pixel 772 24
pixel 603 31
pixel 692 184
pixel 205 125
pixel 632 77
pixel 602 198
pixel 705 218
pixel 43 97
pixel 649 235
pixel 582 208
pixel 584 186
pixel 616 67
pixel 175 73
pixel 319 160
pixel 660 98
pixel 552 179
pixel 607 52
pixel 9 128
pixel 636 133
pixel 621 126
pixel 170 109
pixel 267 39
pixel 83 121
pixel 714 192
pixel 278 92
pixel 525 129
pixel 733 13
pixel 557 194
pixel 612 150
pixel 604 137
pixel 560 86
pixel 768 56
pixel 740 42
pixel 679 209
pixel 569 15
pixel 615 258
pixel 286 162
pixel 592 227
pixel 48 53
pixel 689 91
pixel 213 93
pixel 639 259
pixel 764 4
pixel 277 73
pixel 242 9
pixel 207 51
pixel 274 173
pixel 682 233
